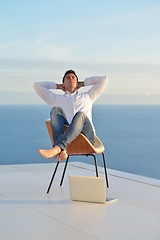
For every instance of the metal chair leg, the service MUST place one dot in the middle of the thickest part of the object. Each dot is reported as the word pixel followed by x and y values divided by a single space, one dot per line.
pixel 105 169
pixel 95 162
pixel 54 173
pixel 64 171
pixel 65 167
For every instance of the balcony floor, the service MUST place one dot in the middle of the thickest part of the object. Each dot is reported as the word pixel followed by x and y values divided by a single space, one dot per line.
pixel 28 213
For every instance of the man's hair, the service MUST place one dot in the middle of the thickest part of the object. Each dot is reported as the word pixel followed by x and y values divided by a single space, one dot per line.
pixel 67 72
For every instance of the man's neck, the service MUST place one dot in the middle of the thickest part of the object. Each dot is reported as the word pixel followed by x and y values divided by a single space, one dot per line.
pixel 71 90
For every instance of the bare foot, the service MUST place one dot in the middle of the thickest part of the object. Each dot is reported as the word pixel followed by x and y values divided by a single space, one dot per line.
pixel 49 153
pixel 63 155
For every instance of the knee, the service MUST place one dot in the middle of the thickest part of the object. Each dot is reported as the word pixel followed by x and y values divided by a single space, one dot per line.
pixel 80 114
pixel 55 110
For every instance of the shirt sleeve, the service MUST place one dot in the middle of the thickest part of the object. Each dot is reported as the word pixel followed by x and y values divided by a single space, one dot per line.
pixel 43 90
pixel 98 86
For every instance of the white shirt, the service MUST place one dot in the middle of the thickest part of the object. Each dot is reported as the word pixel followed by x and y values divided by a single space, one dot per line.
pixel 75 102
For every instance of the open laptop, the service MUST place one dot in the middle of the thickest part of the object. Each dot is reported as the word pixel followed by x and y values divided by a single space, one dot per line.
pixel 88 189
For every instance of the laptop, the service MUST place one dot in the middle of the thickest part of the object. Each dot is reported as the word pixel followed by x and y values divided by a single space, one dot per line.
pixel 88 189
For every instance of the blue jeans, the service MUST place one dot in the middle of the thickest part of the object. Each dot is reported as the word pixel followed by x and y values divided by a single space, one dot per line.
pixel 80 124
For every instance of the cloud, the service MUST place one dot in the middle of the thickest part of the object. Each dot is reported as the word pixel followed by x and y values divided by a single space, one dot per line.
pixel 34 50
pixel 143 15
pixel 18 74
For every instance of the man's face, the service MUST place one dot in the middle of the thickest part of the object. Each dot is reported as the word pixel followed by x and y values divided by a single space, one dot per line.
pixel 70 82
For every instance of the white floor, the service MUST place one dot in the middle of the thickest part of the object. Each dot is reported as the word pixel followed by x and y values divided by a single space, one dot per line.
pixel 28 213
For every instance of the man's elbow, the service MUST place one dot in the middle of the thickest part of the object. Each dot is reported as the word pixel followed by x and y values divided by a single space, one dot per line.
pixel 105 80
pixel 35 85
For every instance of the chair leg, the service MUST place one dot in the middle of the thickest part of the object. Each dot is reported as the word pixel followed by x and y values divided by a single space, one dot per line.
pixel 105 169
pixel 64 171
pixel 95 162
pixel 54 173
pixel 65 167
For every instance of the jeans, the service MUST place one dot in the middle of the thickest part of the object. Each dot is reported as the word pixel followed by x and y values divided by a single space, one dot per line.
pixel 80 124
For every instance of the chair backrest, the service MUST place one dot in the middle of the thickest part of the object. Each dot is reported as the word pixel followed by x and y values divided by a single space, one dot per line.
pixel 80 145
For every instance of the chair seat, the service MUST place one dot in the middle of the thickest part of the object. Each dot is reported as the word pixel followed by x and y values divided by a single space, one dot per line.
pixel 80 145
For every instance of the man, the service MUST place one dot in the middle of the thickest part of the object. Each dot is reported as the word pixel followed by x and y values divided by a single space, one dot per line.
pixel 71 108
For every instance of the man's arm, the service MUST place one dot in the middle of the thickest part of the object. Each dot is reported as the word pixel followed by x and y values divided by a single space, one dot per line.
pixel 80 84
pixel 43 90
pixel 60 86
pixel 98 86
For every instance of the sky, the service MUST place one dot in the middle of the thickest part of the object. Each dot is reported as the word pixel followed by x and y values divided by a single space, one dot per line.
pixel 40 40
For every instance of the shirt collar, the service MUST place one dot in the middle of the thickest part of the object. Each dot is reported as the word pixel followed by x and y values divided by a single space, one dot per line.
pixel 71 94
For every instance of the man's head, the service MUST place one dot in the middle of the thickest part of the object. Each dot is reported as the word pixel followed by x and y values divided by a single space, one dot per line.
pixel 70 81
pixel 69 72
